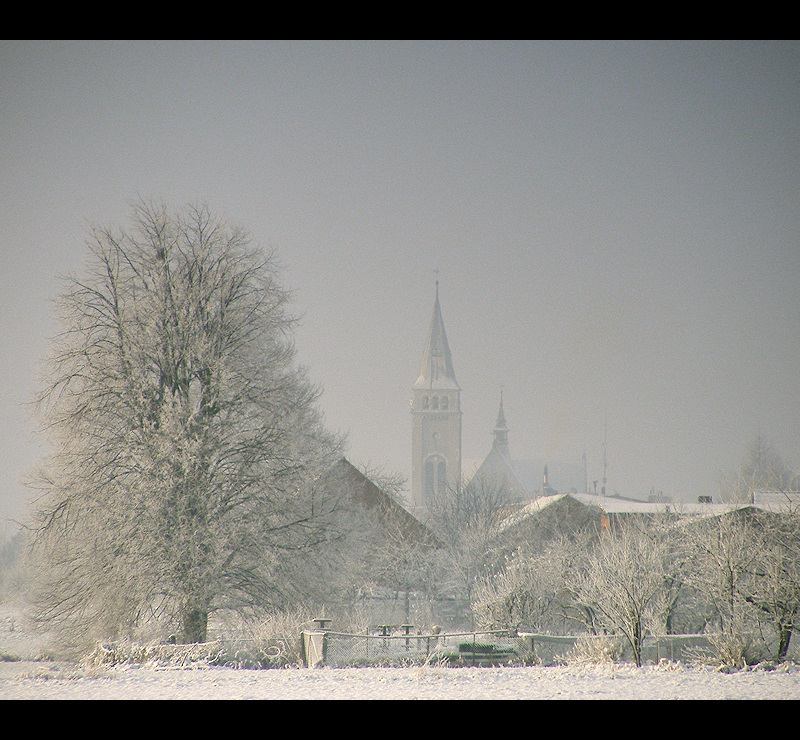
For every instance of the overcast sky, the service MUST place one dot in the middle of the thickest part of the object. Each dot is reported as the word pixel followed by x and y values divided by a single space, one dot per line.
pixel 615 228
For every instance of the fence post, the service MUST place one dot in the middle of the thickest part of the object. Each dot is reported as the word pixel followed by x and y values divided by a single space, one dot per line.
pixel 407 628
pixel 313 648
pixel 315 643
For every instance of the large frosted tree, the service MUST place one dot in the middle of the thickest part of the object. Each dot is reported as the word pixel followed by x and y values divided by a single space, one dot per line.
pixel 186 442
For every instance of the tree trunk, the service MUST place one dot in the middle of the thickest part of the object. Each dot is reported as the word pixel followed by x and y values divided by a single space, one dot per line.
pixel 783 642
pixel 195 624
pixel 636 644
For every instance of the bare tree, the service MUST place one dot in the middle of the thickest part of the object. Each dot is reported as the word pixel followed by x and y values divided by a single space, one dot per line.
pixel 723 551
pixel 467 520
pixel 186 443
pixel 377 547
pixel 12 567
pixel 623 581
pixel 530 592
pixel 761 469
pixel 775 584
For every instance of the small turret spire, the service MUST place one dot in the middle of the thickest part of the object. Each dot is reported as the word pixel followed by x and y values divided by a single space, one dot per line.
pixel 501 429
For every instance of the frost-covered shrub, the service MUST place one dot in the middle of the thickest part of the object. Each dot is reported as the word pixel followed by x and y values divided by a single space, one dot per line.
pixel 595 649
pixel 276 642
pixel 107 654
pixel 355 621
pixel 732 651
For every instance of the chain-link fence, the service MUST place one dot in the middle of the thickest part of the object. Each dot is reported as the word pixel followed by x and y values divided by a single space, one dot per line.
pixel 400 646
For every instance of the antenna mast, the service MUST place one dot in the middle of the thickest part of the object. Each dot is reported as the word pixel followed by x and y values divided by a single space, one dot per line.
pixel 605 457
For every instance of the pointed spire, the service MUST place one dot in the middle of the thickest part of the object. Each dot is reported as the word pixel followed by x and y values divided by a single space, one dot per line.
pixel 501 417
pixel 436 370
pixel 501 429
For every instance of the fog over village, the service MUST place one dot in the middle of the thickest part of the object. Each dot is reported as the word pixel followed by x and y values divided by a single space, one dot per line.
pixel 608 232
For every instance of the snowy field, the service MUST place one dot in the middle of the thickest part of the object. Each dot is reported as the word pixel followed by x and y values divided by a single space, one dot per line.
pixel 33 679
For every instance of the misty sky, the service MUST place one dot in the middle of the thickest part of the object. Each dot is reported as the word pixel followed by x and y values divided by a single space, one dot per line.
pixel 614 224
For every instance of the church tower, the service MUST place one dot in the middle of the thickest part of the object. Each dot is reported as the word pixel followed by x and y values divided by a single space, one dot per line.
pixel 435 420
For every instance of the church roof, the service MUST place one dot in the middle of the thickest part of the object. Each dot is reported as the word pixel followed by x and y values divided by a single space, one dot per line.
pixel 497 472
pixel 436 371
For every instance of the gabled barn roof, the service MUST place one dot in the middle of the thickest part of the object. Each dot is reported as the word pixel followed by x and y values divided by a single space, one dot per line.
pixel 550 516
pixel 364 493
pixel 580 508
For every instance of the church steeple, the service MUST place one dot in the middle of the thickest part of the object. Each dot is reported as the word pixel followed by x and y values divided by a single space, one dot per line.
pixel 496 473
pixel 435 419
pixel 436 370
pixel 501 430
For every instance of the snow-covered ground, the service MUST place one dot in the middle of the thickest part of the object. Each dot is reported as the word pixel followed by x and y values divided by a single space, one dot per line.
pixel 28 680
pixel 34 679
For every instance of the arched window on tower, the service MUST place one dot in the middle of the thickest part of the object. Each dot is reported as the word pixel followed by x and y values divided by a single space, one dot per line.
pixel 435 478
